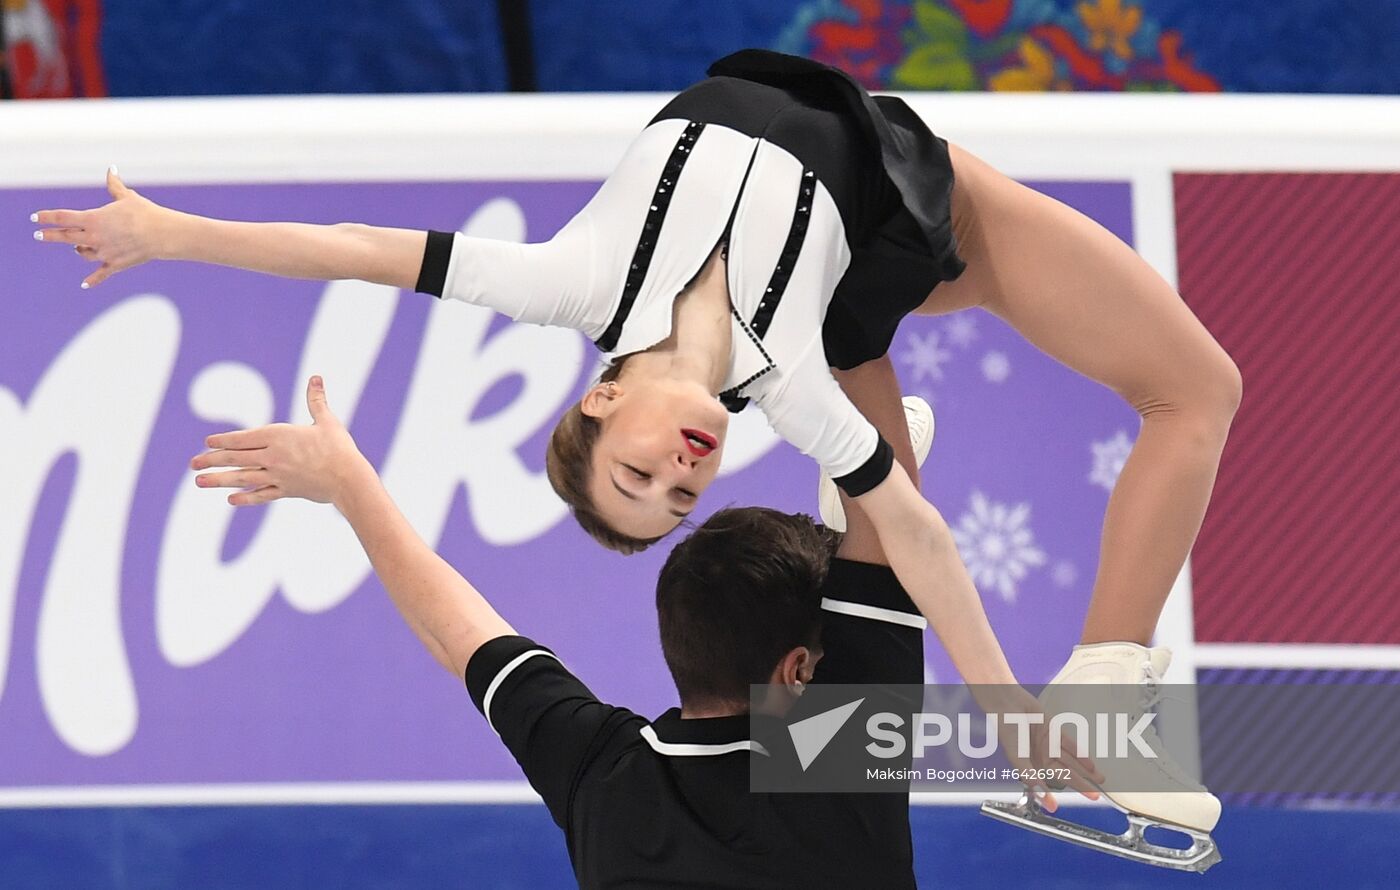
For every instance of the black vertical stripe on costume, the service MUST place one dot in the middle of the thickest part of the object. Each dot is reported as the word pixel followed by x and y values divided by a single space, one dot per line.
pixel 782 274
pixel 651 232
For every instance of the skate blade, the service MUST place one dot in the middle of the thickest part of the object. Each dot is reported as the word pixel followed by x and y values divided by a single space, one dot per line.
pixel 1131 844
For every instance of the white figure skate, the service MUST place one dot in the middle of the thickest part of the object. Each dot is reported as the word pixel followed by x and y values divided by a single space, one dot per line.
pixel 1128 676
pixel 919 416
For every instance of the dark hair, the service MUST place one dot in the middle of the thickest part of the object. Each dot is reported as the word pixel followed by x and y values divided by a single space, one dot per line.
pixel 734 597
pixel 568 462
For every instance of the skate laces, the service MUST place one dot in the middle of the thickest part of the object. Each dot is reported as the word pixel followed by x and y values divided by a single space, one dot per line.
pixel 1151 694
pixel 1151 687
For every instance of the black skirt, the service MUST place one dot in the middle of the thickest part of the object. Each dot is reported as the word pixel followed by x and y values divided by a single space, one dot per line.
pixel 890 176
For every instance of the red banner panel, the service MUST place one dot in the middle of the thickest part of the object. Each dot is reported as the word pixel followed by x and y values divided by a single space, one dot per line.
pixel 1298 276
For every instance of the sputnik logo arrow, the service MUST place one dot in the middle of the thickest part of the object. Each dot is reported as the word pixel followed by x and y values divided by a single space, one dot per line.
pixel 811 735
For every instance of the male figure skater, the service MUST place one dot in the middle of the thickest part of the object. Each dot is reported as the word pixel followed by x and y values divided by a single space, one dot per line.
pixel 751 597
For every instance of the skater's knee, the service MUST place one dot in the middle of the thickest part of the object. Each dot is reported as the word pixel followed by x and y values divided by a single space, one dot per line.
pixel 1221 388
pixel 1202 401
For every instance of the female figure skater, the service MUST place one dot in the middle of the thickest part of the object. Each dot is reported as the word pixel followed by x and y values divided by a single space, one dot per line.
pixel 773 222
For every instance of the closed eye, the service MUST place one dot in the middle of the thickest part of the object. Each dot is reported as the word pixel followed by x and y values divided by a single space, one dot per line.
pixel 684 495
pixel 636 472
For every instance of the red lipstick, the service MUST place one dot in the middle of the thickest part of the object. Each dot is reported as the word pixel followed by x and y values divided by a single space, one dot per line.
pixel 699 442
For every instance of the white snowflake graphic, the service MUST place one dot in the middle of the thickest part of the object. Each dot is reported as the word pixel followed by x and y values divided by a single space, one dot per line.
pixel 961 329
pixel 997 545
pixel 996 367
pixel 1064 573
pixel 925 356
pixel 1109 457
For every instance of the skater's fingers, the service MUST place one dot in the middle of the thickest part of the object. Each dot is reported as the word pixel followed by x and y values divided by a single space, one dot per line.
pixel 316 403
pixel 1044 798
pixel 70 235
pixel 1083 766
pixel 1077 771
pixel 67 218
pixel 105 271
pixel 240 439
pixel 1071 755
pixel 115 187
pixel 1040 751
pixel 262 495
pixel 246 479
pixel 224 457
pixel 1079 782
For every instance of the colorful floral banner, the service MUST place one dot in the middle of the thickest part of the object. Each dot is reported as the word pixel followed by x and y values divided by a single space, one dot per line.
pixel 1012 45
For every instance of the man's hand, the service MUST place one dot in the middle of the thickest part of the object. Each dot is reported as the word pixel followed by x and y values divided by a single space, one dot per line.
pixel 317 462
pixel 321 463
pixel 125 233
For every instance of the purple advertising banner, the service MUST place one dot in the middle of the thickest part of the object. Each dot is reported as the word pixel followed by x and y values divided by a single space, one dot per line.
pixel 150 633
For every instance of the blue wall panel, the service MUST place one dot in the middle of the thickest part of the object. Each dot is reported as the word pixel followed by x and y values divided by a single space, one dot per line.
pixel 186 47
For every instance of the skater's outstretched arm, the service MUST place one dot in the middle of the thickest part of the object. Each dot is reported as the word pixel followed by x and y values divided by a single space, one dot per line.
pixel 132 230
pixel 943 594
pixel 924 556
pixel 915 540
pixel 925 559
pixel 321 463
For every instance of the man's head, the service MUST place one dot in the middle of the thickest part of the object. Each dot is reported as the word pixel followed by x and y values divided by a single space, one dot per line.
pixel 739 603
pixel 632 457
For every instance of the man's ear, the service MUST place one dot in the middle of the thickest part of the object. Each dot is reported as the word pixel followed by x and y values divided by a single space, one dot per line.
pixel 789 680
pixel 796 667
pixel 600 400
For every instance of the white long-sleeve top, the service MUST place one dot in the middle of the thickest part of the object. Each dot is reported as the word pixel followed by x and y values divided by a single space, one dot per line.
pixel 615 269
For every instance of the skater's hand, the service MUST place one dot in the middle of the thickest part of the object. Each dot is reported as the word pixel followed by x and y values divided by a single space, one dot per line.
pixel 317 462
pixel 1083 774
pixel 125 233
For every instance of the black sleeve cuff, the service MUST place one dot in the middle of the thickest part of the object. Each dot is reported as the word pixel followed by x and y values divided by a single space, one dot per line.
pixel 432 277
pixel 869 474
pixel 489 660
pixel 868 584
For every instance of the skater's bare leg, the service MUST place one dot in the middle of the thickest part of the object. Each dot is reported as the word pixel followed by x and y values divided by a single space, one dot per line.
pixel 1085 298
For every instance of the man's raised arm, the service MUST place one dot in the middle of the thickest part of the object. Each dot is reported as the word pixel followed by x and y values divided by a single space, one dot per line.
pixel 546 717
pixel 321 463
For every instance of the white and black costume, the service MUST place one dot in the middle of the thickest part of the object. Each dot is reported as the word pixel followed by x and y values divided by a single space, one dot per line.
pixel 834 209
